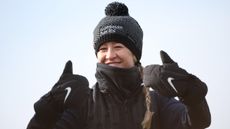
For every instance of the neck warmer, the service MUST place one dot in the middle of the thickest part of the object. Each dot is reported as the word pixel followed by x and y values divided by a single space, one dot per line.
pixel 124 82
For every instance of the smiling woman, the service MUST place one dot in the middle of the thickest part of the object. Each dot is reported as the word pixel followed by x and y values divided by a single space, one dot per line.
pixel 120 98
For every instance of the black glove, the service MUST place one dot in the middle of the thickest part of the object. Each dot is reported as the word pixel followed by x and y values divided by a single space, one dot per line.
pixel 68 92
pixel 170 80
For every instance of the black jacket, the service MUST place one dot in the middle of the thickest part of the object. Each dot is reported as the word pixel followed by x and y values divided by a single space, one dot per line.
pixel 117 101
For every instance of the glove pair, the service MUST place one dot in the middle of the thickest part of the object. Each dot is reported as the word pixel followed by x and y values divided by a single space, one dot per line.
pixel 69 92
pixel 170 80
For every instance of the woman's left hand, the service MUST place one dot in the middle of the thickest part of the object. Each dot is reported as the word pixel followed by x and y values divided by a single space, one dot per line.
pixel 170 80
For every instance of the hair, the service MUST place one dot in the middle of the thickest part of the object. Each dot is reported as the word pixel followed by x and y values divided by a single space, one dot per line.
pixel 146 123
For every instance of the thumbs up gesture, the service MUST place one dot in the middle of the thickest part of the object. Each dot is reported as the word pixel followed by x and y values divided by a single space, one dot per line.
pixel 69 92
pixel 170 80
pixel 68 84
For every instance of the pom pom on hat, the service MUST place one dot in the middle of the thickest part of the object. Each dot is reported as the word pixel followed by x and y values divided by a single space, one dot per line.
pixel 119 26
pixel 116 9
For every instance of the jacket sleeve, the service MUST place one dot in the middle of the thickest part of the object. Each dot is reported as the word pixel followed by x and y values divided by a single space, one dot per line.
pixel 69 119
pixel 173 114
pixel 176 115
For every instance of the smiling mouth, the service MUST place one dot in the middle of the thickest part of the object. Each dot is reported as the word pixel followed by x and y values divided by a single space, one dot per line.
pixel 113 63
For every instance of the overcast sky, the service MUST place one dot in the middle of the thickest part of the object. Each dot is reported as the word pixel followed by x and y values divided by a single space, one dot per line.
pixel 37 37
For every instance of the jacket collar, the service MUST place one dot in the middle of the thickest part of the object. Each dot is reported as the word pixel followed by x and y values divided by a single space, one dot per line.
pixel 122 82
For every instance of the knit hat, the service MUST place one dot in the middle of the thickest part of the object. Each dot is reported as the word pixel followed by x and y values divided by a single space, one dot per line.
pixel 118 26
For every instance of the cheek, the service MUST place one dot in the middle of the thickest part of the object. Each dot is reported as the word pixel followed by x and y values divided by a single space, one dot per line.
pixel 131 61
pixel 100 58
pixel 128 58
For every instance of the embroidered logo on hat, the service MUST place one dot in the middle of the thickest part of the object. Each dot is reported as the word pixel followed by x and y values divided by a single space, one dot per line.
pixel 111 29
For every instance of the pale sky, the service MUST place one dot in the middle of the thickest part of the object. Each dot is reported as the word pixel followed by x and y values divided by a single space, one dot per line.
pixel 38 37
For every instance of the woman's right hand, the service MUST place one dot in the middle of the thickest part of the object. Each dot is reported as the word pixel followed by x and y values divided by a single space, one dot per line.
pixel 67 93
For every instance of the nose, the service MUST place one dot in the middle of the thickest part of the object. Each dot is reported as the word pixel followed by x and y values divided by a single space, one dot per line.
pixel 111 54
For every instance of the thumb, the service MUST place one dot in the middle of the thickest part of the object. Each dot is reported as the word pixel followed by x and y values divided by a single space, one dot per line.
pixel 68 68
pixel 165 58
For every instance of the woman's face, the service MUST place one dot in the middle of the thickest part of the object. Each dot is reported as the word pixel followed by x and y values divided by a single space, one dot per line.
pixel 115 54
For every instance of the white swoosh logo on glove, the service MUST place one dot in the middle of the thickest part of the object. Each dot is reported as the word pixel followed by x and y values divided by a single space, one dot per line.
pixel 171 84
pixel 68 92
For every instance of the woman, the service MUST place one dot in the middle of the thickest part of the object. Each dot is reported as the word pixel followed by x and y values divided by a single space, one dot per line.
pixel 120 99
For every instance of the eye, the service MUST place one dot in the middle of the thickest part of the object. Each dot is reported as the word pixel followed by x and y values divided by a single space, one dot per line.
pixel 118 46
pixel 103 49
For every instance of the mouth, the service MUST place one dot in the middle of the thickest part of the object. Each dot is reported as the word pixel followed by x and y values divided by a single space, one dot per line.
pixel 113 63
